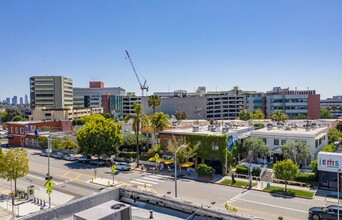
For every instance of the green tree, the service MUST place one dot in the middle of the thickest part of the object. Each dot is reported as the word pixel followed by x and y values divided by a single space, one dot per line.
pixel 2 162
pixel 15 165
pixel 279 116
pixel 314 167
pixel 184 153
pixel 339 126
pixel 160 121
pixel 285 170
pixel 301 116
pixel 56 144
pixel 245 115
pixel 99 136
pixel 43 142
pixel 153 101
pixel 79 121
pixel 130 139
pixel 297 151
pixel 257 146
pixel 334 135
pixel 325 113
pixel 18 118
pixel 107 115
pixel 69 144
pixel 139 120
pixel 181 115
pixel 259 114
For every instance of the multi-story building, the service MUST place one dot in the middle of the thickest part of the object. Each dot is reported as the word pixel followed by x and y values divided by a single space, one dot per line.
pixel 8 101
pixel 97 96
pixel 127 104
pixel 292 102
pixel 14 100
pixel 21 101
pixel 51 92
pixel 25 133
pixel 42 113
pixel 26 99
pixel 334 104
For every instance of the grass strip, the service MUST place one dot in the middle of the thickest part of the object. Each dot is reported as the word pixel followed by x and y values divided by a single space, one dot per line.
pixel 237 183
pixel 290 192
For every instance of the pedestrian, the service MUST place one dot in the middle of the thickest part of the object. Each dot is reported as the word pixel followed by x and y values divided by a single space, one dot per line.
pixel 142 167
pixel 188 169
pixel 233 177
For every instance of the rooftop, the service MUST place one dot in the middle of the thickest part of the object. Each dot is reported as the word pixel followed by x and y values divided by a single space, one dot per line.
pixel 289 131
pixel 207 130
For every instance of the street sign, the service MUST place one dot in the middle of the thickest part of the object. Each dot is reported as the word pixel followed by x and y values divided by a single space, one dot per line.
pixel 49 191
pixel 49 184
pixel 113 169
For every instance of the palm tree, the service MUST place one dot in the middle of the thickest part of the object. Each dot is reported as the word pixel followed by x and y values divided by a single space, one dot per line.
pixel 139 120
pixel 160 121
pixel 278 116
pixel 153 101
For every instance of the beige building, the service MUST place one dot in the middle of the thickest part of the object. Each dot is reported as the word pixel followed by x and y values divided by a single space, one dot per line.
pixel 62 114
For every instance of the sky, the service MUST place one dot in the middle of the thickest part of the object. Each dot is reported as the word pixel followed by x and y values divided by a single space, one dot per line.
pixel 174 44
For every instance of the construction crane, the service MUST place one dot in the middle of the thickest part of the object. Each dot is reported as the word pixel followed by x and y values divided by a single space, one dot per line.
pixel 142 86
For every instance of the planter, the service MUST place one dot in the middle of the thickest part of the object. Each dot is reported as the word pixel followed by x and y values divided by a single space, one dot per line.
pixel 205 177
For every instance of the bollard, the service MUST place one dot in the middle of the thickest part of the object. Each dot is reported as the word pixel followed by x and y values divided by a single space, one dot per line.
pixel 280 218
pixel 92 179
pixel 34 199
pixel 118 180
pixel 102 177
pixel 151 214
pixel 44 203
pixel 145 185
pixel 40 202
pixel 108 183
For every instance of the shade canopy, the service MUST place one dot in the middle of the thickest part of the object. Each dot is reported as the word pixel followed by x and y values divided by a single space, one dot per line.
pixel 187 164
pixel 153 159
pixel 167 162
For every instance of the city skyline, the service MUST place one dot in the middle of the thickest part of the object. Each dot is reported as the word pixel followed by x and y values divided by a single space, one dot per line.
pixel 178 45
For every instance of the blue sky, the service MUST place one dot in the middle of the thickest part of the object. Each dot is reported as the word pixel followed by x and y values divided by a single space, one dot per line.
pixel 255 45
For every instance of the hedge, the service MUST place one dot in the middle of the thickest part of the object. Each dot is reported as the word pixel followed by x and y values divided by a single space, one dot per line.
pixel 204 170
pixel 127 154
pixel 240 169
pixel 305 178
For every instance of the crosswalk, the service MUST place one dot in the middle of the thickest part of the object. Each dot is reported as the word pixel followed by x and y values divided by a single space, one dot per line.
pixel 237 197
pixel 150 180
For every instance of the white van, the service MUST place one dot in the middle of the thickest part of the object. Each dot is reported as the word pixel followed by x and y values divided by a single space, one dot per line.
pixel 3 134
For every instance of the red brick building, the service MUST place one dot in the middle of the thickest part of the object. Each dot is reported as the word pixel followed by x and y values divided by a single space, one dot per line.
pixel 25 133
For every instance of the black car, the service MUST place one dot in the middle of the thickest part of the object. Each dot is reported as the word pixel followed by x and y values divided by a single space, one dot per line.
pixel 97 162
pixel 329 212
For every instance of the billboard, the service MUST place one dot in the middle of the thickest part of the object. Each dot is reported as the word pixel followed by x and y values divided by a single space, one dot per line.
pixel 329 162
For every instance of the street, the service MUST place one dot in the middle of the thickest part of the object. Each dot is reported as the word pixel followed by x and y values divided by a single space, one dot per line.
pixel 72 182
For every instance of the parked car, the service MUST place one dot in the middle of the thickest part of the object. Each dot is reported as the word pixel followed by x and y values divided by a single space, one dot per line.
pixel 70 157
pixel 97 162
pixel 3 134
pixel 57 155
pixel 84 159
pixel 45 153
pixel 329 212
pixel 123 166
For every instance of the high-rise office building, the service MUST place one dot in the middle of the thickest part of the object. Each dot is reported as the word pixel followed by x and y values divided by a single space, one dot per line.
pixel 15 100
pixel 21 101
pixel 51 92
pixel 8 100
pixel 26 99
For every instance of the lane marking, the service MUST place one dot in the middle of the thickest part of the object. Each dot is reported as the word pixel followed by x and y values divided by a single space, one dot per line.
pixel 280 207
pixel 145 181
pixel 153 179
pixel 41 178
pixel 65 174
pixel 140 183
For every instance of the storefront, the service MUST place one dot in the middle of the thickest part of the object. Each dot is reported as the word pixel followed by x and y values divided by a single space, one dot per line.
pixel 329 170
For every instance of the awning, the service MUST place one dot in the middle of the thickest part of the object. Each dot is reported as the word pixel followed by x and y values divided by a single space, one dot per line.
pixel 153 159
pixel 187 164
pixel 167 162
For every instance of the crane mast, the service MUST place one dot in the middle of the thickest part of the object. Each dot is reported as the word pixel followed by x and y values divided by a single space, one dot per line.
pixel 142 86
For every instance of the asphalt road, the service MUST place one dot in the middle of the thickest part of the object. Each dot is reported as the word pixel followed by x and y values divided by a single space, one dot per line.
pixel 72 179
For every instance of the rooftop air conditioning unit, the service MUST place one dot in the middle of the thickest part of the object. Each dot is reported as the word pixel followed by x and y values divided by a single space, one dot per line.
pixel 195 129
pixel 224 130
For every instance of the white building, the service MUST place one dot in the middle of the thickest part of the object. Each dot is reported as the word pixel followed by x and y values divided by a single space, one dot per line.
pixel 315 137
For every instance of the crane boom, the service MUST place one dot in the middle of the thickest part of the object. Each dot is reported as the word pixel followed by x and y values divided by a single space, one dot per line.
pixel 142 86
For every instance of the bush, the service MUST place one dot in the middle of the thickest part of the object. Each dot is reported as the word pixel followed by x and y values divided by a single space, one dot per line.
pixel 305 178
pixel 145 157
pixel 240 169
pixel 127 154
pixel 258 125
pixel 205 170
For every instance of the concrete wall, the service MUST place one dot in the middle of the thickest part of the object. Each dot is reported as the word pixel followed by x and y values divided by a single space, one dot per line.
pixel 67 210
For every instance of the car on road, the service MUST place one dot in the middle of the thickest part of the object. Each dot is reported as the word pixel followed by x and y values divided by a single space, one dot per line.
pixel 123 166
pixel 70 157
pixel 329 212
pixel 97 162
pixel 84 159
pixel 3 134
pixel 57 155
pixel 45 153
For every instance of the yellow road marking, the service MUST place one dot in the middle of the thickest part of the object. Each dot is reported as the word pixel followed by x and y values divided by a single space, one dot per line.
pixel 66 173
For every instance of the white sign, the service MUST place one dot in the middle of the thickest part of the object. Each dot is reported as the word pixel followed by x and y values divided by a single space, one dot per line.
pixel 330 162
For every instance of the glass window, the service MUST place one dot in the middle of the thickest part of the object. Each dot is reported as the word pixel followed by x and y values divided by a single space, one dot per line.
pixel 316 143
pixel 12 130
pixel 21 130
pixel 283 142
pixel 276 142
pixel 16 130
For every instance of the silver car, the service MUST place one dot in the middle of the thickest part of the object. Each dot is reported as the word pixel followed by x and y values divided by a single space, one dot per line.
pixel 123 166
pixel 70 157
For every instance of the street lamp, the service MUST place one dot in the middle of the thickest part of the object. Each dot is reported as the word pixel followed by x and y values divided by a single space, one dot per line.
pixel 182 146
pixel 250 154
pixel 338 193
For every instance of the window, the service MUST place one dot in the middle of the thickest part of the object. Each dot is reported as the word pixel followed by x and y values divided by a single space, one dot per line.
pixel 166 141
pixel 283 142
pixel 21 130
pixel 264 139
pixel 320 141
pixel 16 130
pixel 276 142
pixel 316 144
pixel 12 130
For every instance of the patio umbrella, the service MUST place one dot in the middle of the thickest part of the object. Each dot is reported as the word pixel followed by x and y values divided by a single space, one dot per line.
pixel 167 162
pixel 187 164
